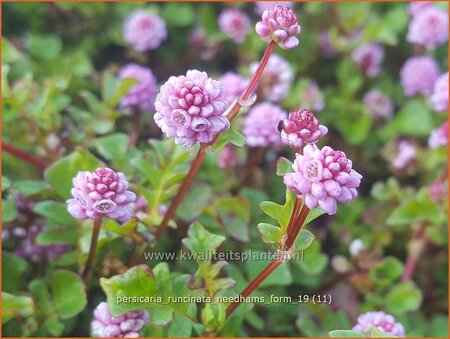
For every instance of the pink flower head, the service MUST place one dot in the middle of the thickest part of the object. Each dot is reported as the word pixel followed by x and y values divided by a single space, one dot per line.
pixel 261 6
pixel 276 78
pixel 279 25
pixel 369 58
pixel 128 325
pixel 207 48
pixel 141 95
pixel 418 75
pixel 325 177
pixel 190 108
pixel 101 193
pixel 235 23
pixel 439 98
pixel 312 97
pixel 429 28
pixel 378 104
pixel 227 157
pixel 438 190
pixel 233 86
pixel 384 322
pixel 439 136
pixel 144 31
pixel 417 7
pixel 301 127
pixel 406 153
pixel 261 124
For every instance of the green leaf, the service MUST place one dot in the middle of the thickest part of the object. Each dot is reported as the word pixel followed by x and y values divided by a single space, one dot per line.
pixel 9 211
pixel 45 47
pixel 314 262
pixel 418 124
pixel 30 187
pixel 179 14
pixel 9 52
pixel 229 136
pixel 15 306
pixel 270 234
pixel 258 260
pixel 404 297
pixel 67 235
pixel 6 183
pixel 41 295
pixel 125 229
pixel 137 281
pixel 387 271
pixel 61 173
pixel 13 267
pixel 181 327
pixel 304 239
pixel 68 293
pixel 281 213
pixel 313 215
pixel 213 317
pixel 196 200
pixel 112 147
pixel 123 86
pixel 53 210
pixel 374 332
pixel 201 241
pixel 284 166
pixel 346 334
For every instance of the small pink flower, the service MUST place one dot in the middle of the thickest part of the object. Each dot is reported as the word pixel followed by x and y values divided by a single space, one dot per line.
pixel 201 44
pixel 439 136
pixel 384 322
pixel 235 23
pixel 142 95
pixel 276 78
pixel 439 98
pixel 101 193
pixel 279 25
pixel 190 108
pixel 312 97
pixel 227 157
pixel 301 127
pixel 429 28
pixel 325 177
pixel 233 86
pixel 261 6
pixel 144 31
pixel 378 104
pixel 128 325
pixel 406 153
pixel 417 7
pixel 438 190
pixel 260 126
pixel 418 75
pixel 369 57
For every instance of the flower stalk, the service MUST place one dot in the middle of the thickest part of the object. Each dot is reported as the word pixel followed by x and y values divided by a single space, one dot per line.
pixel 25 156
pixel 87 268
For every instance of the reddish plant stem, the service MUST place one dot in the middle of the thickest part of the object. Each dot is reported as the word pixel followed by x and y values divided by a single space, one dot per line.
pixel 253 160
pixel 253 81
pixel 135 128
pixel 25 156
pixel 87 269
pixel 416 247
pixel 294 215
pixel 196 164
pixel 297 221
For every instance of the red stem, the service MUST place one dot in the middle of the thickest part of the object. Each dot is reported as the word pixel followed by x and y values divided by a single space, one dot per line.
pixel 91 256
pixel 196 164
pixel 25 156
pixel 416 246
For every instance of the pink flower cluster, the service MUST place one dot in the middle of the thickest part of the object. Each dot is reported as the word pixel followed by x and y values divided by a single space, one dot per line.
pixel 227 157
pixel 235 23
pixel 417 7
pixel 438 190
pixel 369 58
pixel 144 31
pixel 279 25
pixel 439 98
pixel 190 108
pixel 312 97
pixel 378 104
pixel 324 176
pixel 101 193
pixel 439 136
pixel 261 6
pixel 260 127
pixel 142 95
pixel 301 127
pixel 384 322
pixel 418 75
pixel 406 153
pixel 233 86
pixel 128 325
pixel 276 78
pixel 428 27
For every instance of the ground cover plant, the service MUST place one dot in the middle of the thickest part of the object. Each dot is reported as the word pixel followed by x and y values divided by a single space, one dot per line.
pixel 225 169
